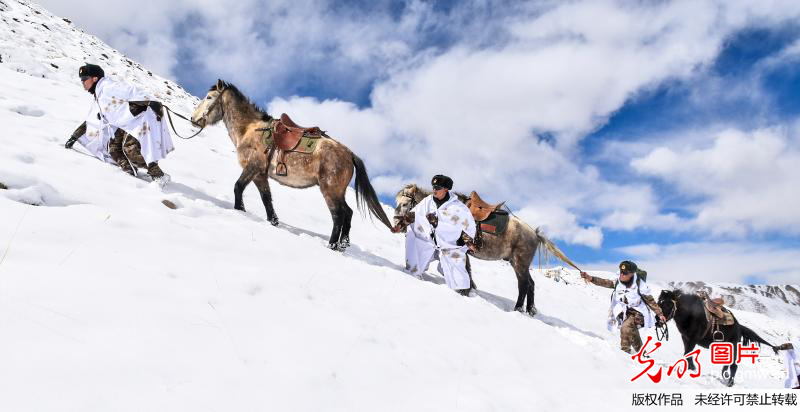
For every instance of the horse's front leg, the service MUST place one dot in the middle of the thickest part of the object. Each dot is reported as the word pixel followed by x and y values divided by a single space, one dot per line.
pixel 688 346
pixel 248 173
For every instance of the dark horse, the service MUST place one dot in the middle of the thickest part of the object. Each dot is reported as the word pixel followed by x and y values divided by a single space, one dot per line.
pixel 330 166
pixel 517 245
pixel 689 314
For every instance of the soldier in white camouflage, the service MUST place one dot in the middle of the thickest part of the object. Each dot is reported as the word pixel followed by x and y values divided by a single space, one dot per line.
pixel 124 125
pixel 125 150
pixel 632 305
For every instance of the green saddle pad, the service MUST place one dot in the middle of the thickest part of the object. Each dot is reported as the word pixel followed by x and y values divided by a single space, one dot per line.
pixel 496 223
pixel 306 144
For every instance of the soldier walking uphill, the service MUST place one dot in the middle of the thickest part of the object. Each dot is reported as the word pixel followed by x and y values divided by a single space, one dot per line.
pixel 441 228
pixel 124 125
pixel 632 305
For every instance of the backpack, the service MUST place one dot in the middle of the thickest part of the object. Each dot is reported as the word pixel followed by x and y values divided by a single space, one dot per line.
pixel 641 274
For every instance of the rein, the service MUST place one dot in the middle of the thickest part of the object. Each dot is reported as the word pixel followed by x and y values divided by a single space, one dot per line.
pixel 205 113
pixel 172 123
pixel 662 331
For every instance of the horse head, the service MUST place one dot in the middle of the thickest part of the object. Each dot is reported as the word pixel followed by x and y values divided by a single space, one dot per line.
pixel 668 302
pixel 209 111
pixel 405 200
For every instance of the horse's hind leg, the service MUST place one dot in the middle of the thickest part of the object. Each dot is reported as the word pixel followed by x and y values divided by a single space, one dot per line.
pixel 347 219
pixel 334 202
pixel 248 173
pixel 521 263
pixel 524 286
pixel 733 366
pixel 336 216
pixel 262 183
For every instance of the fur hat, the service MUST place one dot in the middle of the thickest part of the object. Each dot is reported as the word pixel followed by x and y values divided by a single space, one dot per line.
pixel 626 266
pixel 91 70
pixel 443 181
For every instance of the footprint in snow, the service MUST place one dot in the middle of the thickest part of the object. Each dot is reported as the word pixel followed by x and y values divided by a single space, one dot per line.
pixel 27 111
pixel 26 158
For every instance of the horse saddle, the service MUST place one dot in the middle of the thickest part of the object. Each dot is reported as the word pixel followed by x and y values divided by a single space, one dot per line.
pixel 287 133
pixel 287 136
pixel 481 210
pixel 716 312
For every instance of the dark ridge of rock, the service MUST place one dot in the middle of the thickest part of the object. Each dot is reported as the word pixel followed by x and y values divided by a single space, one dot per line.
pixel 796 293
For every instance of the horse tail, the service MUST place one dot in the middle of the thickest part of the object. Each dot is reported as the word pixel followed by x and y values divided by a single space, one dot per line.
pixel 551 248
pixel 365 194
pixel 749 336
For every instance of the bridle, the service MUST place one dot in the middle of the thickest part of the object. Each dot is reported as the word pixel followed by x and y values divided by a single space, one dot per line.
pixel 411 204
pixel 213 103
pixel 674 309
pixel 662 332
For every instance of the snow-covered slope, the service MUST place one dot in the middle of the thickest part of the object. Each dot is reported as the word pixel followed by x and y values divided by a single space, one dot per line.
pixel 38 43
pixel 111 301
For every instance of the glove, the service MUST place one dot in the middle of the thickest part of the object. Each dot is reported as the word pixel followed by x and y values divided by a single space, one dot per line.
pixel 432 219
pixel 586 276
pixel 70 142
pixel 158 109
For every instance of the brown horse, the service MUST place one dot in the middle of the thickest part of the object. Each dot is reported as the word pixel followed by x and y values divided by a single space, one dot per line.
pixel 517 245
pixel 330 166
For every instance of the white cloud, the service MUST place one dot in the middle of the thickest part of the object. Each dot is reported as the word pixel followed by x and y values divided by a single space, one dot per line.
pixel 748 180
pixel 725 261
pixel 561 224
pixel 475 105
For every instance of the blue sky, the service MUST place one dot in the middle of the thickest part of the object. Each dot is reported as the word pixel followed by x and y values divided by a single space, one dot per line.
pixel 663 132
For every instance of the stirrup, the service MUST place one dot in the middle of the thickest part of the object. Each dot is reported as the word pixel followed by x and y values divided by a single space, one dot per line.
pixel 280 169
pixel 718 336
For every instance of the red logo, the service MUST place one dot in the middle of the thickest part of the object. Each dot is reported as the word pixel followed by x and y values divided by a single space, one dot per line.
pixel 721 353
pixel 679 367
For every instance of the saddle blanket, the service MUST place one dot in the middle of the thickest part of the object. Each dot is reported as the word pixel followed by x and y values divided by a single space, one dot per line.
pixel 305 145
pixel 496 224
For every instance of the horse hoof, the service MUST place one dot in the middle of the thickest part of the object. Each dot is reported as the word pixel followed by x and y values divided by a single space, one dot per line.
pixel 532 311
pixel 274 221
pixel 729 382
pixel 344 243
pixel 335 247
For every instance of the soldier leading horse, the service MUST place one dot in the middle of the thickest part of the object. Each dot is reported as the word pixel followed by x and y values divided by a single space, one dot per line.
pixel 517 245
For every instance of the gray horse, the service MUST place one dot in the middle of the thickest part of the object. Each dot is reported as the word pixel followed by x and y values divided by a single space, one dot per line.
pixel 517 245
pixel 330 166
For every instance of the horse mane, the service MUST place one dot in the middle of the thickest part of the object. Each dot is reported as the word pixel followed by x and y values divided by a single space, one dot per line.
pixel 263 115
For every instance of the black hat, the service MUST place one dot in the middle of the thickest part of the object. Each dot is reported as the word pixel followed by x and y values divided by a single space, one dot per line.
pixel 443 181
pixel 626 266
pixel 91 70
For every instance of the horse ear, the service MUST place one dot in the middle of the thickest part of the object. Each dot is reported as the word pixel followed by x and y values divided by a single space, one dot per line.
pixel 220 84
